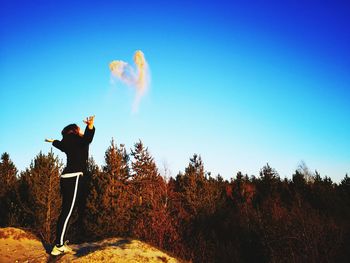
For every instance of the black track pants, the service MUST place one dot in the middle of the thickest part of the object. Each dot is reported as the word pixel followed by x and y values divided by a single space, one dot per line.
pixel 70 196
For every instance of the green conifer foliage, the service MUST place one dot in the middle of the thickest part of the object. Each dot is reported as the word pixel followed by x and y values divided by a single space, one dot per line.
pixel 150 216
pixel 8 187
pixel 109 200
pixel 193 185
pixel 40 195
pixel 195 216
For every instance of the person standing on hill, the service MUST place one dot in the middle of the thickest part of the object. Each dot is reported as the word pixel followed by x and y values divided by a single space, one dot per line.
pixel 75 145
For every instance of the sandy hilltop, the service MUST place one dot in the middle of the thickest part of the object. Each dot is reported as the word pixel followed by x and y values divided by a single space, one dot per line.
pixel 17 245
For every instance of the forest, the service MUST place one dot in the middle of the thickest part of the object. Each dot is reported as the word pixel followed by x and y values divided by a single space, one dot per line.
pixel 194 216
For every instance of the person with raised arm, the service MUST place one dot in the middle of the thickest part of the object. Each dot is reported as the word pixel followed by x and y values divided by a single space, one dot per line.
pixel 75 145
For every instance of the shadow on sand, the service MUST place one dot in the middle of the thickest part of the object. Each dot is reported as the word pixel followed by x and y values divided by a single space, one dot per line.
pixel 92 247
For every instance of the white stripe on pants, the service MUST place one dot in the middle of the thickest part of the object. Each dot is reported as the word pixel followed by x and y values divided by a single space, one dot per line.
pixel 70 211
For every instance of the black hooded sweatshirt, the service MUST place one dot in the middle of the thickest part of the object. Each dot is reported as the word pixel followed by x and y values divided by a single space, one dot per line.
pixel 76 148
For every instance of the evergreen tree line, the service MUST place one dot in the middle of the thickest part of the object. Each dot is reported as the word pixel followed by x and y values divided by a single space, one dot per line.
pixel 193 216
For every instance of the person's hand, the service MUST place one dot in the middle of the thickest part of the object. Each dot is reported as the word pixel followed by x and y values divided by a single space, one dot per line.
pixel 49 140
pixel 90 121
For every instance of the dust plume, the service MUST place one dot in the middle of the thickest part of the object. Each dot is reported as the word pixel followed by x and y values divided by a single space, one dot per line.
pixel 136 76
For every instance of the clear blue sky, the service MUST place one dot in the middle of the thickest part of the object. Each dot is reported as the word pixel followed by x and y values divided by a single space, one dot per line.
pixel 239 83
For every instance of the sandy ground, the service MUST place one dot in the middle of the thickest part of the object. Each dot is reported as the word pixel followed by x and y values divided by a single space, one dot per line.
pixel 17 245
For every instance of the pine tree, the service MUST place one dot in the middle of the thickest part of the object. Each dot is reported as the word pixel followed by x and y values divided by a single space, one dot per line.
pixel 145 176
pixel 200 197
pixel 8 184
pixel 117 196
pixel 143 165
pixel 193 185
pixel 8 174
pixel 109 200
pixel 92 222
pixel 40 195
pixel 150 215
pixel 267 184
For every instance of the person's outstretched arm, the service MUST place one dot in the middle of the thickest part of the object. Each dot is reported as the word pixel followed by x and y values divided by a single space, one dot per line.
pixel 90 129
pixel 58 144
